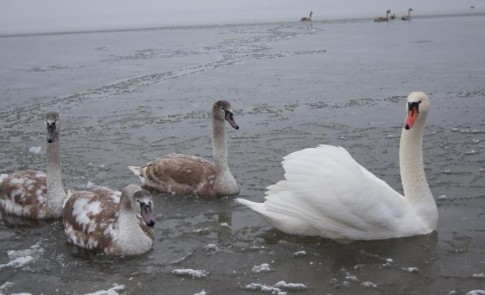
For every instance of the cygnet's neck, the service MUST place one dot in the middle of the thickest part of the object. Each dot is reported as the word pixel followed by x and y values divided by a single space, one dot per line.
pixel 219 145
pixel 132 239
pixel 55 189
pixel 415 186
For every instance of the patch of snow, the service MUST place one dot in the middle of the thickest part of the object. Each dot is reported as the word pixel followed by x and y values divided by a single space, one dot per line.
pixel 290 286
pixel 472 152
pixel 264 288
pixel 4 287
pixel 20 258
pixel 18 262
pixel 442 198
pixel 299 253
pixel 351 277
pixel 478 275
pixel 111 291
pixel 203 292
pixel 210 248
pixel 411 269
pixel 262 268
pixel 476 292
pixel 368 285
pixel 35 149
pixel 192 273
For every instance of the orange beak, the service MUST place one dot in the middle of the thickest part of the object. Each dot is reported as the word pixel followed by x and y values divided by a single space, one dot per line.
pixel 411 117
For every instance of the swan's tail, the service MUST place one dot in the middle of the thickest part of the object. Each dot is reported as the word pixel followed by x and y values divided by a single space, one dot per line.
pixel 2 177
pixel 258 207
pixel 137 171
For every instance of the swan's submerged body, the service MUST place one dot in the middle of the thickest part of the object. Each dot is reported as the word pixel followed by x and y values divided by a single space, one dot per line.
pixel 190 175
pixel 104 221
pixel 36 194
pixel 327 193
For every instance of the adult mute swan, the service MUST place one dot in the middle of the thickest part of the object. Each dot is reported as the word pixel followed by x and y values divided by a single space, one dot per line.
pixel 327 193
pixel 383 19
pixel 407 17
pixel 189 175
pixel 35 194
pixel 104 221
pixel 305 19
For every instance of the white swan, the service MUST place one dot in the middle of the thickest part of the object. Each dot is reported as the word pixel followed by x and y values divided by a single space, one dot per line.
pixel 104 221
pixel 407 17
pixel 383 19
pixel 305 19
pixel 183 175
pixel 35 194
pixel 327 193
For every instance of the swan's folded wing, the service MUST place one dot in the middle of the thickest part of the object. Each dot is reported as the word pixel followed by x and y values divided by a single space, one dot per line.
pixel 178 169
pixel 90 218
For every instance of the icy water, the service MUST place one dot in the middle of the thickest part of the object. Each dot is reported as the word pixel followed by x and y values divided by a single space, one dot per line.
pixel 127 97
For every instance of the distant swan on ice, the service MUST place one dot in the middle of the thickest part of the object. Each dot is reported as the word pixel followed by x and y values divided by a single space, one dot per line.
pixel 383 19
pixel 102 220
pixel 304 19
pixel 327 193
pixel 35 194
pixel 190 175
pixel 408 16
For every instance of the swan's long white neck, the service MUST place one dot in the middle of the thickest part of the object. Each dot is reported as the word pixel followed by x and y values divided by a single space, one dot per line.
pixel 55 189
pixel 415 186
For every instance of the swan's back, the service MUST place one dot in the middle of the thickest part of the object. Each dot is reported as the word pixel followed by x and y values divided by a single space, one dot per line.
pixel 91 221
pixel 180 174
pixel 327 193
pixel 24 194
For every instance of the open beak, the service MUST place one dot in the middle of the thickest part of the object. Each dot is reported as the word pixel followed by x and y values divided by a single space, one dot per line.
pixel 413 112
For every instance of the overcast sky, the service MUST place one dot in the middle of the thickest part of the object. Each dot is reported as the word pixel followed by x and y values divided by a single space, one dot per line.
pixel 31 16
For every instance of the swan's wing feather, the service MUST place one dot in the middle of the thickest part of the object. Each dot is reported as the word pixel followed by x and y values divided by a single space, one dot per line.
pixel 24 194
pixel 181 174
pixel 333 195
pixel 90 218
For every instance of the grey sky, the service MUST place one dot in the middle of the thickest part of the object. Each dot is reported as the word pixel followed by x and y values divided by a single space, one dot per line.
pixel 29 16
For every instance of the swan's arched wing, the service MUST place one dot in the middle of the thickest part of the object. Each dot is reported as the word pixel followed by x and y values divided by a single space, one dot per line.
pixel 328 191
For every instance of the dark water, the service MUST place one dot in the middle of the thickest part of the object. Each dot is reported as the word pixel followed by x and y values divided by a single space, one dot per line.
pixel 127 97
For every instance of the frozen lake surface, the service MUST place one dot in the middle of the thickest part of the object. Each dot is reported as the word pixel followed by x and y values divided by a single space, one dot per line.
pixel 126 97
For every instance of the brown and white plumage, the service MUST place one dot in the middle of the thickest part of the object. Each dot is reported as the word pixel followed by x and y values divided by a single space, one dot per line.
pixel 408 16
pixel 102 220
pixel 190 175
pixel 383 19
pixel 35 194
